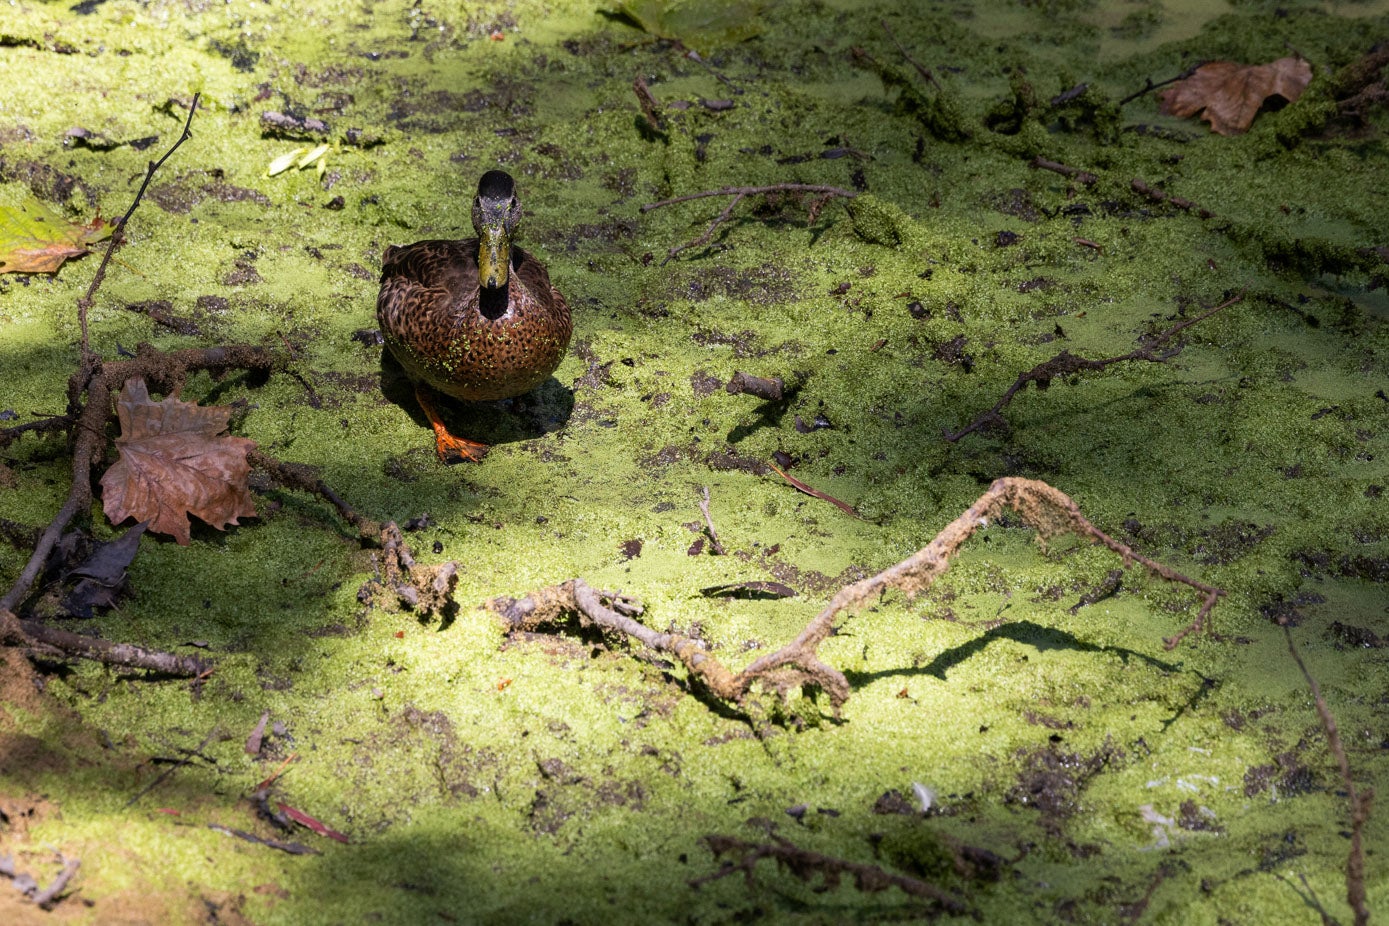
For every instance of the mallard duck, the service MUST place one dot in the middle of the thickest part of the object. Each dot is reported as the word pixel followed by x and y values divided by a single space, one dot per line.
pixel 475 319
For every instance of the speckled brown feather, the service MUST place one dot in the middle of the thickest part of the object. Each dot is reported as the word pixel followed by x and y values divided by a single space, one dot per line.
pixel 433 319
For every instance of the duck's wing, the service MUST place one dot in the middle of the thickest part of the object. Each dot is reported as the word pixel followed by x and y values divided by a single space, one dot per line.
pixel 532 274
pixel 424 279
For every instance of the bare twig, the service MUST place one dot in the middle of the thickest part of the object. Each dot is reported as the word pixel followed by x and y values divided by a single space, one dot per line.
pixel 303 478
pixel 650 108
pixel 293 848
pixel 1149 86
pixel 1074 173
pixel 49 895
pixel 1158 196
pixel 118 234
pixel 714 545
pixel 1360 801
pixel 163 776
pixel 807 866
pixel 925 73
pixel 44 640
pixel 1066 363
pixel 41 426
pixel 797 663
pixel 739 193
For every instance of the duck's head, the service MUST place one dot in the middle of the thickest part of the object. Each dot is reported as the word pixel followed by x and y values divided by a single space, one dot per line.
pixel 496 213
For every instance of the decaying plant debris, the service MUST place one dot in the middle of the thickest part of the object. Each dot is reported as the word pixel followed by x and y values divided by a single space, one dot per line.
pixel 449 760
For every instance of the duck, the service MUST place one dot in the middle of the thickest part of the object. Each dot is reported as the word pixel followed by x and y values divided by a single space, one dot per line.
pixel 475 319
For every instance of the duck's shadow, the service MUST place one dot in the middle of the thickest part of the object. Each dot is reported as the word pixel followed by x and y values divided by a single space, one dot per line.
pixel 541 411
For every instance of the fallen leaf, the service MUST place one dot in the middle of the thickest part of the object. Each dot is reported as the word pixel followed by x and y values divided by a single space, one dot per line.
pixel 176 460
pixel 303 819
pixel 35 239
pixel 293 848
pixel 100 579
pixel 699 24
pixel 1230 94
pixel 253 742
pixel 809 490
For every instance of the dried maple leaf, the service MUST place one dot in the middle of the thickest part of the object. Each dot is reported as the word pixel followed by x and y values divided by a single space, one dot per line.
pixel 175 461
pixel 35 239
pixel 1231 93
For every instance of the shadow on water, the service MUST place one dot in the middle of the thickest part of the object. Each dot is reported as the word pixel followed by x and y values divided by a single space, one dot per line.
pixel 1025 632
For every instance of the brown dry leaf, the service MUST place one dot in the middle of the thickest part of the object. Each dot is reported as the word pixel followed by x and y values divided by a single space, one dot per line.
pixel 35 239
pixel 1231 93
pixel 175 461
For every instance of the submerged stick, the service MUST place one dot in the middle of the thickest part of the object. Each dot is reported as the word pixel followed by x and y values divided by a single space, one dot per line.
pixel 739 193
pixel 1360 801
pixel 1066 363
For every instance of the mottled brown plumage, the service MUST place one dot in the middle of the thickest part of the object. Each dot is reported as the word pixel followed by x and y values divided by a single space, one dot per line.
pixel 475 319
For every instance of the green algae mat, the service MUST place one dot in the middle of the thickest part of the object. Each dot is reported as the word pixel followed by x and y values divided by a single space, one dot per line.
pixel 1018 744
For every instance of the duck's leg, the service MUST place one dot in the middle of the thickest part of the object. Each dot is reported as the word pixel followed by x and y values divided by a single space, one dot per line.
pixel 451 449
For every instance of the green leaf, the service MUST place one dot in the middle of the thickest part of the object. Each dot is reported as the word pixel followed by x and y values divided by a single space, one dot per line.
pixel 35 239
pixel 699 24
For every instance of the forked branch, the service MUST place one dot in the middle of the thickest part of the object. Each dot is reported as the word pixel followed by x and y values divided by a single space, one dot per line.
pixel 798 664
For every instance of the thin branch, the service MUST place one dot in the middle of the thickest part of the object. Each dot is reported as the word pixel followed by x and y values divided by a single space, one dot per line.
pixel 797 664
pixel 1066 363
pixel 118 234
pixel 49 895
pixel 1158 196
pixel 739 193
pixel 1074 173
pixel 1360 801
pixel 46 640
pixel 1149 86
pixel 807 865
pixel 303 478
pixel 714 544
pixel 163 776
pixel 925 73
pixel 816 493
pixel 40 426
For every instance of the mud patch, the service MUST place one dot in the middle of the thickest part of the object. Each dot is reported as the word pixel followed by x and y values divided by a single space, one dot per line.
pixel 1052 780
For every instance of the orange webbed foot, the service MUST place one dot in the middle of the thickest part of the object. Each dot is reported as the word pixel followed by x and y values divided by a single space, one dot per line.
pixel 449 447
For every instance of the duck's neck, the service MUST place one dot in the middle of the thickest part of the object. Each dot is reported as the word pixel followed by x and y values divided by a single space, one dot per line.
pixel 492 301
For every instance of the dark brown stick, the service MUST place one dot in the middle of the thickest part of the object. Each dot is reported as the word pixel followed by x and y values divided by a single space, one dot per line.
pixel 925 73
pixel 1075 173
pixel 805 865
pixel 294 476
pixel 1158 196
pixel 771 388
pixel 816 493
pixel 650 108
pixel 1066 363
pixel 1149 86
pixel 163 776
pixel 118 234
pixel 1360 801
pixel 739 193
pixel 41 426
